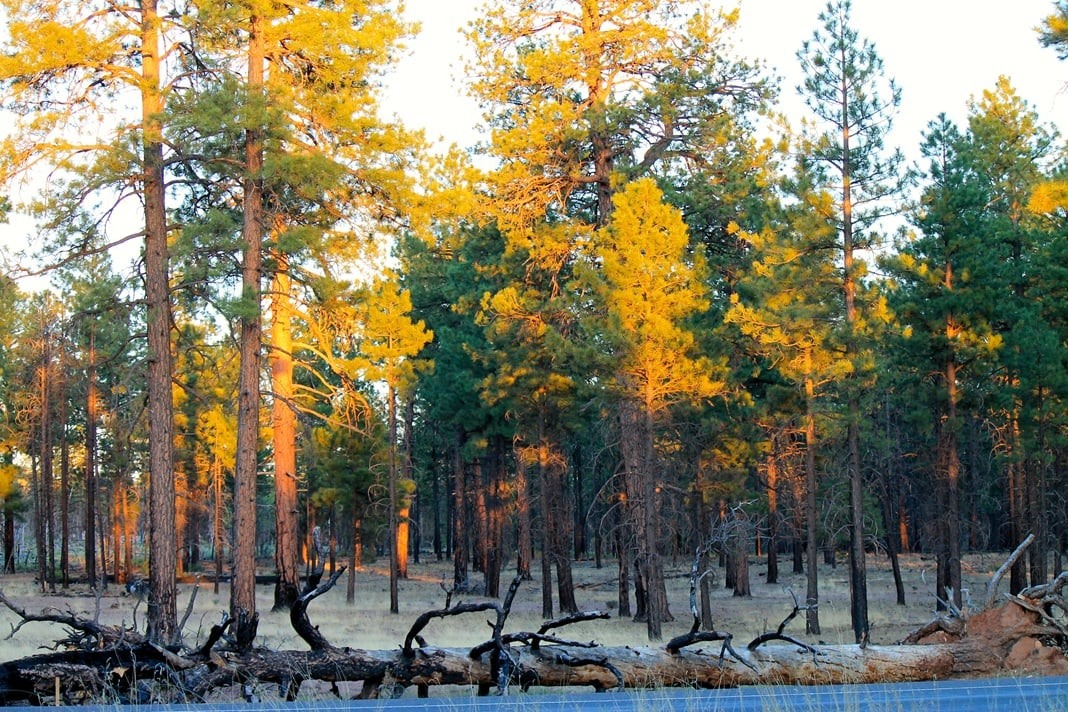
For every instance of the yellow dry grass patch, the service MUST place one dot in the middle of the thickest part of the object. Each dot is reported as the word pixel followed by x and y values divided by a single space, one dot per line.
pixel 368 624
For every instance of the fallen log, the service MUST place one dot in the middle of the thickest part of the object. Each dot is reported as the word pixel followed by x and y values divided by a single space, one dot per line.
pixel 1023 634
pixel 1022 648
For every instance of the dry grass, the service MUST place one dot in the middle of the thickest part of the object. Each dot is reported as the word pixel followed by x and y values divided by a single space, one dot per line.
pixel 368 624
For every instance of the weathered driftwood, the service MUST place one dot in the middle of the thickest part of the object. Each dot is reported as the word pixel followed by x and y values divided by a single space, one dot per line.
pixel 1024 634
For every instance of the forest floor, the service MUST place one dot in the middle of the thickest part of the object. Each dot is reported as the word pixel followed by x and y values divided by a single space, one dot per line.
pixel 368 625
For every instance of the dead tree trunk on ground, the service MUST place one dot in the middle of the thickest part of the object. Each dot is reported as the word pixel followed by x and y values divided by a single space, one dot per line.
pixel 1025 634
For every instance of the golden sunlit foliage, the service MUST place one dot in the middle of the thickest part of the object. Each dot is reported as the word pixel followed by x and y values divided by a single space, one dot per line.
pixel 649 290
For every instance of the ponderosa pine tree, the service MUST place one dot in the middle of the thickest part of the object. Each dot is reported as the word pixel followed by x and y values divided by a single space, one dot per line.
pixel 70 56
pixel 785 302
pixel 327 164
pixel 852 105
pixel 387 340
pixel 648 286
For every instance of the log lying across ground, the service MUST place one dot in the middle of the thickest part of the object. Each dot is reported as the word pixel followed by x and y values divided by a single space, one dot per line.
pixel 1024 634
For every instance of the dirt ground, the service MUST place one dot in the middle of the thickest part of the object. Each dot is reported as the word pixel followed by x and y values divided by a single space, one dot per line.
pixel 368 624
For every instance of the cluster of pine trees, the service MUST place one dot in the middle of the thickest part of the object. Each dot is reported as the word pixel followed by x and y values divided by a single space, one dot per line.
pixel 637 327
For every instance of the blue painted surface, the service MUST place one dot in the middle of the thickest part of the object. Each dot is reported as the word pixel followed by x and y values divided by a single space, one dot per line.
pixel 1048 694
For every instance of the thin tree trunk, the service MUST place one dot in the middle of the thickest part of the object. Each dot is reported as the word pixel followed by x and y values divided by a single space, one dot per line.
pixel 773 513
pixel 579 520
pixel 9 539
pixel 546 538
pixel 46 520
pixel 949 431
pixel 332 538
pixel 109 519
pixel 435 497
pixel 39 522
pixel 92 403
pixel 129 530
pixel 798 524
pixel 394 503
pixel 495 518
pixel 479 537
pixel 459 528
pixel 64 486
pixel 623 578
pixel 218 530
pixel 357 556
pixel 892 547
pixel 703 526
pixel 411 521
pixel 403 536
pixel 525 542
pixel 812 594
pixel 562 538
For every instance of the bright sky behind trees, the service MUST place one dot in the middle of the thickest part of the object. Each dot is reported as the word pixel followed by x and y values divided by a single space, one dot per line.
pixel 941 53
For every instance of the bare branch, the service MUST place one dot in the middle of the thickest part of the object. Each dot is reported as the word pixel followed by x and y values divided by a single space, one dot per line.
pixel 992 587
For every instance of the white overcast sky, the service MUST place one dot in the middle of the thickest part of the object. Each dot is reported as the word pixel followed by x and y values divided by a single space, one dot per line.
pixel 940 52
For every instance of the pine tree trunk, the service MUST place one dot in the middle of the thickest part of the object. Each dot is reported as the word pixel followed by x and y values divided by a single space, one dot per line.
pixel 92 402
pixel 562 538
pixel 1017 516
pixel 525 541
pixel 739 543
pixel 892 547
pixel 243 583
pixel 623 577
pixel 435 497
pixel 459 523
pixel 773 514
pixel 129 531
pixel 403 539
pixel 546 541
pixel 479 537
pixel 812 594
pixel 496 467
pixel 218 530
pixel 45 518
pixel 286 525
pixel 394 553
pixel 636 445
pixel 579 519
pixel 357 556
pixel 9 540
pixel 948 432
pixel 411 522
pixel 64 499
pixel 162 607
pixel 118 536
